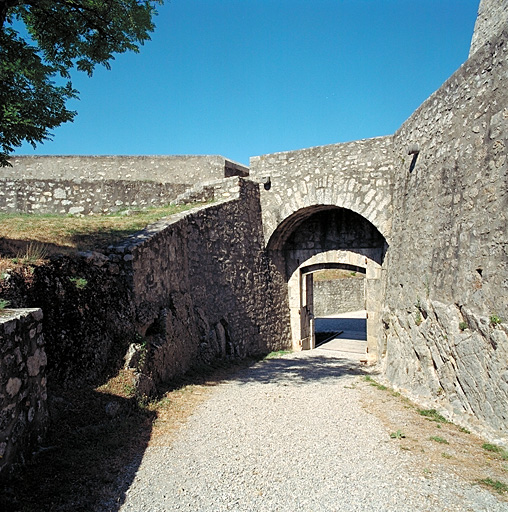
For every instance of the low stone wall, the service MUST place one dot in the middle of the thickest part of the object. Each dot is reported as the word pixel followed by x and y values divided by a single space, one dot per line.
pixel 203 287
pixel 23 410
pixel 339 296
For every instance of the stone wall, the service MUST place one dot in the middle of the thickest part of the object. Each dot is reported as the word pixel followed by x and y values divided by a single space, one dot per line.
pixel 23 410
pixel 203 287
pixel 189 289
pixel 339 296
pixel 88 184
pixel 492 19
pixel 80 197
pixel 87 308
pixel 161 169
pixel 448 262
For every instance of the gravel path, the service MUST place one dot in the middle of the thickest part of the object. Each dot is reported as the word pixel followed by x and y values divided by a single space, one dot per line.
pixel 290 434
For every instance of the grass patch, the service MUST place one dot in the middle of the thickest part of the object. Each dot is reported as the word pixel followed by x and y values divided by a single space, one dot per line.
pixel 496 485
pixel 438 439
pixel 496 449
pixel 463 326
pixel 372 382
pixel 398 435
pixel 79 282
pixel 3 304
pixel 277 353
pixel 494 320
pixel 432 415
pixel 492 448
pixel 331 274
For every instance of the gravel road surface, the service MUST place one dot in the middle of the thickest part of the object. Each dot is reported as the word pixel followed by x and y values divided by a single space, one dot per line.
pixel 290 434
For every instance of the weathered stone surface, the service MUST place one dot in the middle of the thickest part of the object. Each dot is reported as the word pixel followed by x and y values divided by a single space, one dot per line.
pixel 203 288
pixel 83 185
pixel 13 386
pixel 23 410
pixel 447 261
pixel 492 19
pixel 356 175
pixel 35 362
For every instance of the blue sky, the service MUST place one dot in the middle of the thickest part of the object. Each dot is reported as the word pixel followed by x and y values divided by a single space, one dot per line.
pixel 242 78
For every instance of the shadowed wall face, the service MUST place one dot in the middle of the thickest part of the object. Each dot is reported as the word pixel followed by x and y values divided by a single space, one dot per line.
pixel 204 289
pixel 23 407
pixel 330 230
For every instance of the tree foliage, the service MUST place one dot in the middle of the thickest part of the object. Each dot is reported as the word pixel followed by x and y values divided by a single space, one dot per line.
pixel 41 41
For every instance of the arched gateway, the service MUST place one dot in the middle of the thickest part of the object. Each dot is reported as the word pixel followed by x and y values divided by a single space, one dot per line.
pixel 324 237
pixel 328 207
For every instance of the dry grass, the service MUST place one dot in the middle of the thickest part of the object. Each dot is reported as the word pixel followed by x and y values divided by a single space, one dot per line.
pixel 436 445
pixel 33 237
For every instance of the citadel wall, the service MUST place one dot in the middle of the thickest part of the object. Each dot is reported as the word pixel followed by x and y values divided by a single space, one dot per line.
pixel 492 19
pixel 356 175
pixel 447 263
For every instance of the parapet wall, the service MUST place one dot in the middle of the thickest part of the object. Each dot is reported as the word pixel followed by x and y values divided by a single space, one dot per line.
pixel 23 410
pixel 203 288
pixel 162 169
pixel 104 184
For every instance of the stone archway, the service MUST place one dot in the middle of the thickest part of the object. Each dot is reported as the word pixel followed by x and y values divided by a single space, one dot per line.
pixel 322 236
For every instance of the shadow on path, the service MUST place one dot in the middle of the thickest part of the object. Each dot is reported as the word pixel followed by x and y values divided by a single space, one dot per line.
pixel 301 368
pixel 352 325
pixel 93 438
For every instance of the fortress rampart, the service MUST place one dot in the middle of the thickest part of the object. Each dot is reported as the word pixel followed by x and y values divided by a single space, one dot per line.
pixel 426 212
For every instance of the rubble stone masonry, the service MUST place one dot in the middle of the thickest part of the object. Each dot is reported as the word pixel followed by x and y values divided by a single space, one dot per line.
pixel 23 409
